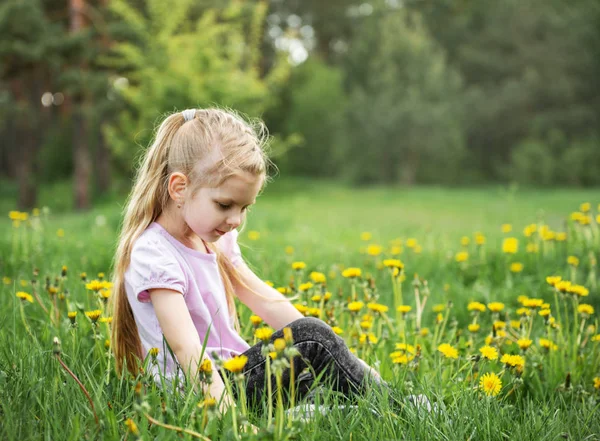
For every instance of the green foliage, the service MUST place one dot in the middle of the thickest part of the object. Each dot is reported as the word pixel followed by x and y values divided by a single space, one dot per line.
pixel 533 163
pixel 317 103
pixel 404 111
pixel 176 60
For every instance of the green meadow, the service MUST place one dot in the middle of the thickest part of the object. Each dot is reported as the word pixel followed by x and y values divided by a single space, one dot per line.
pixel 495 245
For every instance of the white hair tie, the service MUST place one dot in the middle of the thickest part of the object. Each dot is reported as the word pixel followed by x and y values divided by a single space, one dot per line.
pixel 189 114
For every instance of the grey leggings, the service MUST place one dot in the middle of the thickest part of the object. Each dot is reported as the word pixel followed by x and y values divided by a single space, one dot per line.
pixel 323 354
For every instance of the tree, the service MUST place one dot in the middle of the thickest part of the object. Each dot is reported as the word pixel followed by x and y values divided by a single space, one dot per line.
pixel 31 50
pixel 178 57
pixel 404 112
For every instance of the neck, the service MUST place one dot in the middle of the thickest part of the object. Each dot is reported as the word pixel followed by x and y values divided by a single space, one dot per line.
pixel 173 222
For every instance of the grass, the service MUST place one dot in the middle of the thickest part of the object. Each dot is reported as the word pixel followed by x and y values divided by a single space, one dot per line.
pixel 323 222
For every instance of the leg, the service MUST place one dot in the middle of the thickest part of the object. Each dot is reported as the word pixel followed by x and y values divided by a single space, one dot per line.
pixel 323 354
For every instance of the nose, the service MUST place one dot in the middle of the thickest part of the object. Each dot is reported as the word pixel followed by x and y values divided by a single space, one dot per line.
pixel 234 220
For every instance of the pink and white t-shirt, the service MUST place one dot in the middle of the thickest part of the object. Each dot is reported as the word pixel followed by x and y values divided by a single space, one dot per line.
pixel 158 260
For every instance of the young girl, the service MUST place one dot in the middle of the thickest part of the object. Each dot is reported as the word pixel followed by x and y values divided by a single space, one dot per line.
pixel 178 267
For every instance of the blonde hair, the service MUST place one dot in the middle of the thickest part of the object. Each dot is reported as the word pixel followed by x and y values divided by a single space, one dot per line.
pixel 208 149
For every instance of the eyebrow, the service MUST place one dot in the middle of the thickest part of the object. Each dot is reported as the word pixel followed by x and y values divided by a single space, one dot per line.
pixel 228 201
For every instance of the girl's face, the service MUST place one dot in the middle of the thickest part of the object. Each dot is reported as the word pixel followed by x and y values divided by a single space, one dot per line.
pixel 213 212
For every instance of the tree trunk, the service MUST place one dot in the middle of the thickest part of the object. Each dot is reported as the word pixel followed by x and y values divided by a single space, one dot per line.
pixel 409 166
pixel 102 162
pixel 26 138
pixel 80 139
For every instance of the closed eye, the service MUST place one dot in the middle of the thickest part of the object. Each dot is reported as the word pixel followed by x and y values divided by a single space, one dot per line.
pixel 225 207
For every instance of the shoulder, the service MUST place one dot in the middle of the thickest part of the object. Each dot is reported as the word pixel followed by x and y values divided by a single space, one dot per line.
pixel 155 263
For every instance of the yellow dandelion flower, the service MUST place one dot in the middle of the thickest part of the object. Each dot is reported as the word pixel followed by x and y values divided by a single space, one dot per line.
pixel 401 358
pixel 596 382
pixel 585 207
pixel 573 261
pixel 351 273
pixel 404 309
pixel 368 338
pixel 479 239
pixel 524 343
pixel 510 245
pixel 462 256
pixel 355 306
pixel 393 263
pixel 236 364
pixel 94 285
pixel 279 344
pixel 491 384
pixel 512 360
pixel 476 306
pixel 106 320
pixel 495 306
pixel 263 333
pixel 533 303
pixel 405 347
pixel 377 307
pixel 561 237
pixel 553 280
pixel 253 235
pixel 154 352
pixel 506 228
pixel 465 240
pixel 305 286
pixel 302 309
pixel 60 232
pixel 516 267
pixel 255 320
pixel 284 290
pixel 24 296
pixel 132 426
pixel 547 344
pixel 289 249
pixel 298 266
pixel 93 315
pixel 395 250
pixel 596 337
pixel 474 327
pixel 448 351
pixel 585 309
pixel 532 248
pixel 317 277
pixel 578 290
pixel 314 312
pixel 515 324
pixel 374 250
pixel 499 324
pixel 439 307
pixel 206 366
pixel 6 280
pixel 337 330
pixel 489 352
pixel 365 236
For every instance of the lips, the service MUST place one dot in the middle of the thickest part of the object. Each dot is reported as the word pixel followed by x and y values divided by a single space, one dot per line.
pixel 219 232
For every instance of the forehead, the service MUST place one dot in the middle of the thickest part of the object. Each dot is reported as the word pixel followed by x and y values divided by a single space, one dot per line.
pixel 241 187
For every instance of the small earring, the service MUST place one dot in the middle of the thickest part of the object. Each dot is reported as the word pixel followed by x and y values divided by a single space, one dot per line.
pixel 178 205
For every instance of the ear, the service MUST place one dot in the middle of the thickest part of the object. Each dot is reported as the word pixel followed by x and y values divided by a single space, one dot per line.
pixel 178 183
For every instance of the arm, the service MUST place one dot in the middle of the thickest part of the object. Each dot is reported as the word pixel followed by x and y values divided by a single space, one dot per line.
pixel 181 334
pixel 263 300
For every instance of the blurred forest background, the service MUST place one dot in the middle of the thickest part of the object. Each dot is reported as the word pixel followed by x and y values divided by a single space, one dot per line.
pixel 449 92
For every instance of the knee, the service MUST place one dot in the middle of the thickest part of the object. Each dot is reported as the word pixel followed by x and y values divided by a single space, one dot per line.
pixel 311 328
